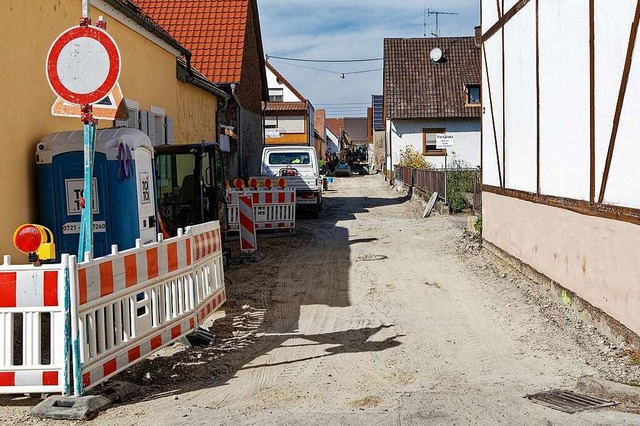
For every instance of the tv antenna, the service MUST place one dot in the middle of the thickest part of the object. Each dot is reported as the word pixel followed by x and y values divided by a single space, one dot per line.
pixel 430 12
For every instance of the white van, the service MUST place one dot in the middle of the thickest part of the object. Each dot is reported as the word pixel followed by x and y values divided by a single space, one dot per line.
pixel 299 166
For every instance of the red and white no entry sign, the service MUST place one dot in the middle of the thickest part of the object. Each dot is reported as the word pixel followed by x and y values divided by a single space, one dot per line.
pixel 83 65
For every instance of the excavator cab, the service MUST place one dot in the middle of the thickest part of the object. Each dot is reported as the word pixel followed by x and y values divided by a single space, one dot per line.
pixel 190 186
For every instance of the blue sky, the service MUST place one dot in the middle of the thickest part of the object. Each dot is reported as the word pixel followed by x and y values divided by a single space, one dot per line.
pixel 349 29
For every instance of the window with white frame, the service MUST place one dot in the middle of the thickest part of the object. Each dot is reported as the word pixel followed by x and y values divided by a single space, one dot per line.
pixel 276 95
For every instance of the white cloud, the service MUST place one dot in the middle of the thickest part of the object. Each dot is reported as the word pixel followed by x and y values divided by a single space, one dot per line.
pixel 342 29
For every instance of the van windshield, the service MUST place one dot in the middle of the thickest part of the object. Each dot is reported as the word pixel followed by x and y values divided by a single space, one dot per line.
pixel 283 158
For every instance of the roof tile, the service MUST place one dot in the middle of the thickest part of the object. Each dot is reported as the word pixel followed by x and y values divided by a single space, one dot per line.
pixel 213 31
pixel 416 87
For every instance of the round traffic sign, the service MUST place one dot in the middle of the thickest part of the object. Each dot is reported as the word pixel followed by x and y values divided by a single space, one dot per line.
pixel 83 65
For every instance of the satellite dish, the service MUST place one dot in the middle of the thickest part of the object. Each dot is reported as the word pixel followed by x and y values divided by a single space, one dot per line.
pixel 436 54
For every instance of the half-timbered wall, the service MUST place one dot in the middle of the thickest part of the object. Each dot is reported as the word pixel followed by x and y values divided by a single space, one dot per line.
pixel 561 97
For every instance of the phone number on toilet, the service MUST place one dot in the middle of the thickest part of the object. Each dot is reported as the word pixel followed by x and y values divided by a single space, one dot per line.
pixel 74 227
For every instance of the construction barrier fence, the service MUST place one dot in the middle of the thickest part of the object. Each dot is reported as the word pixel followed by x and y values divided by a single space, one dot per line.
pixel 272 208
pixel 104 315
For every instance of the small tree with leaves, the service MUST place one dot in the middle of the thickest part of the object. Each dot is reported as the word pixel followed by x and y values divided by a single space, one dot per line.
pixel 410 157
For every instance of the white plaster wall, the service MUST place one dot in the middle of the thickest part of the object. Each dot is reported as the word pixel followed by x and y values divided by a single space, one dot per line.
pixel 564 98
pixel 332 142
pixel 520 160
pixel 287 94
pixel 574 250
pixel 489 14
pixel 493 53
pixel 466 145
pixel 508 4
pixel 612 34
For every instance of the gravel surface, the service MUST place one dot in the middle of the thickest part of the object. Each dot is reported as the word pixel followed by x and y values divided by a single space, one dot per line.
pixel 373 315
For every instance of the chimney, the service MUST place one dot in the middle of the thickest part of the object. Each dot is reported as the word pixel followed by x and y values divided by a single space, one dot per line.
pixel 478 36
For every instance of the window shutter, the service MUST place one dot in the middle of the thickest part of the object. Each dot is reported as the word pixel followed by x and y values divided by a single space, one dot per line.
pixel 151 128
pixel 169 130
pixel 143 123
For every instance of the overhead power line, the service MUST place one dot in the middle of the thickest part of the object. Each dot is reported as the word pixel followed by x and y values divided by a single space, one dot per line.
pixel 324 60
pixel 341 74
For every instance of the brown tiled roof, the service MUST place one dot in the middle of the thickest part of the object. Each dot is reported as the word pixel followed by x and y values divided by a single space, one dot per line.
pixel 286 106
pixel 280 78
pixel 335 124
pixel 356 128
pixel 213 30
pixel 416 87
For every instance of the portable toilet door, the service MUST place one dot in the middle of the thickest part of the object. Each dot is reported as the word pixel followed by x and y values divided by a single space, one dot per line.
pixel 123 211
pixel 131 183
pixel 60 166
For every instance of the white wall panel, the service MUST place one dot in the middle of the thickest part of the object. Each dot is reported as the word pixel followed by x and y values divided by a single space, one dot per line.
pixel 564 98
pixel 521 100
pixel 623 187
pixel 493 52
pixel 508 4
pixel 466 139
pixel 489 14
pixel 613 26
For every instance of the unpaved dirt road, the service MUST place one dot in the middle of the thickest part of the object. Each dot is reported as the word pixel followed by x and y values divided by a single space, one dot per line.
pixel 368 316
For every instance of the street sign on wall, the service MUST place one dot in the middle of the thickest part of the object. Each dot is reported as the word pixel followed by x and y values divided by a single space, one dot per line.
pixel 444 141
pixel 83 65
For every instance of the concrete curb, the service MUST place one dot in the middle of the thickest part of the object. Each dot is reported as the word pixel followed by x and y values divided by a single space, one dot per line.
pixel 624 394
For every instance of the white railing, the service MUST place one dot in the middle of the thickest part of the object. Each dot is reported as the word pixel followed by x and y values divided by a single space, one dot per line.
pixel 272 208
pixel 104 315
pixel 33 328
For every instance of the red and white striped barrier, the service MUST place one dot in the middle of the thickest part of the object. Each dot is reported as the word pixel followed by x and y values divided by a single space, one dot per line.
pixel 106 314
pixel 32 328
pixel 272 208
pixel 248 242
pixel 135 302
pixel 233 213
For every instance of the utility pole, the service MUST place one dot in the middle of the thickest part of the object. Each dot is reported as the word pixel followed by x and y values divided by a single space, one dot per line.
pixel 437 14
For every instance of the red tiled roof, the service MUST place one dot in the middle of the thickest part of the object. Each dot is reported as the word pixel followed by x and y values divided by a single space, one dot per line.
pixel 213 31
pixel 286 106
pixel 147 22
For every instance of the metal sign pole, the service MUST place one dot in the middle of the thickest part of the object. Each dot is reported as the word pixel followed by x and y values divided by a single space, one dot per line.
pixel 86 224
pixel 445 174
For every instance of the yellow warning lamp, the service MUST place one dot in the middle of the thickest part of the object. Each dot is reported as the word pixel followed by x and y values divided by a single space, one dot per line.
pixel 253 183
pixel 226 184
pixel 282 183
pixel 267 183
pixel 238 183
pixel 35 241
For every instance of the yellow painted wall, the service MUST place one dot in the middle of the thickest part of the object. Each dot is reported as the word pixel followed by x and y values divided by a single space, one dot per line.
pixel 196 120
pixel 289 139
pixel 28 28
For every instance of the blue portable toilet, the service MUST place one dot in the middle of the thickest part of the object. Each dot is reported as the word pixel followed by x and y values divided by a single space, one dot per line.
pixel 123 206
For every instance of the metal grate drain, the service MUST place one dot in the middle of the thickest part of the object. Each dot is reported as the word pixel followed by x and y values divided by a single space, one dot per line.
pixel 568 401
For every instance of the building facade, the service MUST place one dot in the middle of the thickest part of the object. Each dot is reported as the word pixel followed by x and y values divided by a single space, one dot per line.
pixel 163 106
pixel 289 116
pixel 560 150
pixel 432 86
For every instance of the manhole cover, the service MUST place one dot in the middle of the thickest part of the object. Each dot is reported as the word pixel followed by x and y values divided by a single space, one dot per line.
pixel 568 401
pixel 371 257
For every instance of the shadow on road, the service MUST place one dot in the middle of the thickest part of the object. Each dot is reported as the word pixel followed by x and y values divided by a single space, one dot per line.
pixel 264 305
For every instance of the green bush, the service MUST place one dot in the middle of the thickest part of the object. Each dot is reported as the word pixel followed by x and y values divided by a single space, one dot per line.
pixel 459 183
pixel 410 157
pixel 478 225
